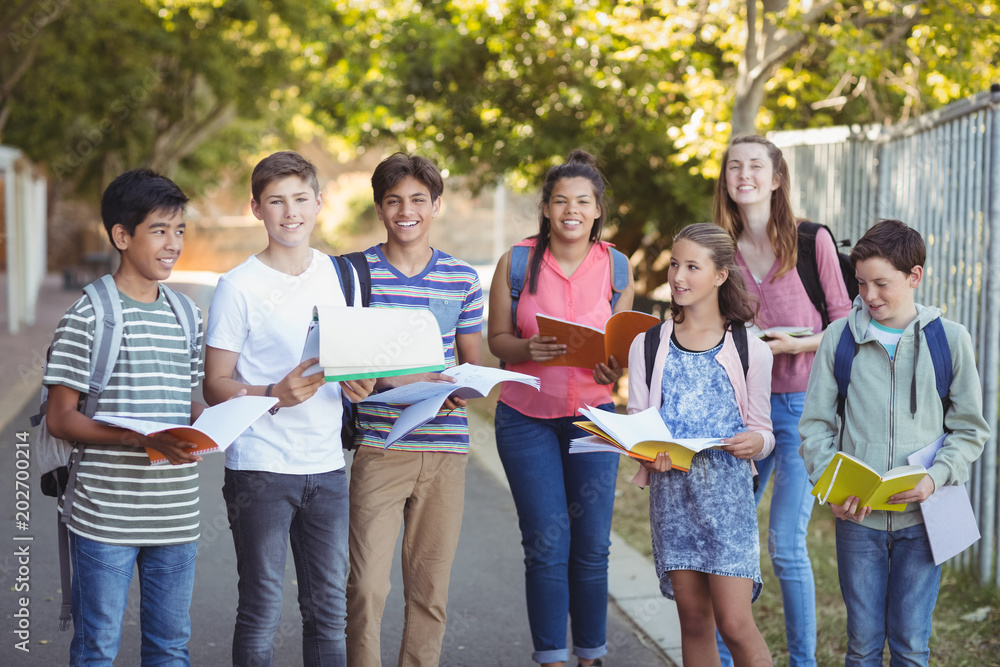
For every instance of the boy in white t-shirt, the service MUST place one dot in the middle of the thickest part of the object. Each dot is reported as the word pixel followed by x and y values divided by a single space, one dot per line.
pixel 285 477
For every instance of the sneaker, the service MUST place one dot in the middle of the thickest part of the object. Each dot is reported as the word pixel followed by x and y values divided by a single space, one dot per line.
pixel 596 663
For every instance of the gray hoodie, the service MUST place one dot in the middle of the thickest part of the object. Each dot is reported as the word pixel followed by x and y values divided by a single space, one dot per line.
pixel 893 408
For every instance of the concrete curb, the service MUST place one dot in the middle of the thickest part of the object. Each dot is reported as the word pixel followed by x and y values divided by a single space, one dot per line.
pixel 632 582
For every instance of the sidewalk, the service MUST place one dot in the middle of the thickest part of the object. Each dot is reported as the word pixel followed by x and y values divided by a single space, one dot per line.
pixel 487 578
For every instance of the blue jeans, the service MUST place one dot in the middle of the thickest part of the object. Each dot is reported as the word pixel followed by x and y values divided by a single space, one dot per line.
pixel 564 504
pixel 267 510
pixel 890 586
pixel 791 506
pixel 101 577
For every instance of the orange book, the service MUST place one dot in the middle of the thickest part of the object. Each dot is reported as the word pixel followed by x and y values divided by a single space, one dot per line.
pixel 588 346
pixel 216 428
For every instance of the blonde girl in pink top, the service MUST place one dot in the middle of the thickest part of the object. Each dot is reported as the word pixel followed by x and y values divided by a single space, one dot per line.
pixel 753 205
pixel 564 502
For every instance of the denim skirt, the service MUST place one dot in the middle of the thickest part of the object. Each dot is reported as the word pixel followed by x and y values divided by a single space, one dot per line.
pixel 705 520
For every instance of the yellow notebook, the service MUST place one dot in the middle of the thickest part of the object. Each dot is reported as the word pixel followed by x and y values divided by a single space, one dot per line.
pixel 850 476
pixel 641 435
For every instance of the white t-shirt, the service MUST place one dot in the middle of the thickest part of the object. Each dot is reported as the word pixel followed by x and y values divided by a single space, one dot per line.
pixel 263 315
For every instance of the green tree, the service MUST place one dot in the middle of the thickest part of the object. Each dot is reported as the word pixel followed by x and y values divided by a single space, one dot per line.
pixel 654 88
pixel 187 87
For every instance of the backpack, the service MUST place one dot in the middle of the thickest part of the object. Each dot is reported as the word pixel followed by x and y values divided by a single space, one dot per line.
pixel 342 264
pixel 809 271
pixel 652 343
pixel 58 460
pixel 519 255
pixel 937 344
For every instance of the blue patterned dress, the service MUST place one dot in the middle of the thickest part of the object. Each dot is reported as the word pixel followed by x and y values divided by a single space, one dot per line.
pixel 705 519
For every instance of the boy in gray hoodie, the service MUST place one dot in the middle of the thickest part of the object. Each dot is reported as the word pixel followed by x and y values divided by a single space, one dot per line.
pixel 887 573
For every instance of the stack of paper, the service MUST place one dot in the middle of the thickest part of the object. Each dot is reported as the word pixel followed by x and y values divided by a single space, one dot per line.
pixel 426 398
pixel 356 343
pixel 641 436
pixel 791 331
pixel 948 517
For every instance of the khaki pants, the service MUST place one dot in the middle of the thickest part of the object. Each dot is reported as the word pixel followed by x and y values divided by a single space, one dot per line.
pixel 426 491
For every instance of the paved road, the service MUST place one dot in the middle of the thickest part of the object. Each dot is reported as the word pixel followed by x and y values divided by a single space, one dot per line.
pixel 487 620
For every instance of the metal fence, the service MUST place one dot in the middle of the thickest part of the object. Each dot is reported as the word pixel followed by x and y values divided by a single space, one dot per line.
pixel 941 175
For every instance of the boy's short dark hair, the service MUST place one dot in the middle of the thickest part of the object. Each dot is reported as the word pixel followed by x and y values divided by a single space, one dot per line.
pixel 398 166
pixel 134 195
pixel 282 165
pixel 894 241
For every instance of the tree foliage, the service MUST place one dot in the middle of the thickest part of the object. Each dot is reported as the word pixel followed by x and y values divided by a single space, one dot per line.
pixel 654 88
pixel 491 88
pixel 122 83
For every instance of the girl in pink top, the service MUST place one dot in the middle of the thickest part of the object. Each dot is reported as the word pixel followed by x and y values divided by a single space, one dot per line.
pixel 752 203
pixel 564 502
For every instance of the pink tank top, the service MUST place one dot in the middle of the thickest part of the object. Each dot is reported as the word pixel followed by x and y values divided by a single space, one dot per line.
pixel 583 298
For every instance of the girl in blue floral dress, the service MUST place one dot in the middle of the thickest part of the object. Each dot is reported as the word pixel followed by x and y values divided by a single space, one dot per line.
pixel 704 522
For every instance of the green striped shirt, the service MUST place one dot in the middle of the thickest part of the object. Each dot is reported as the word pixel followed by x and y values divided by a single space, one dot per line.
pixel 119 497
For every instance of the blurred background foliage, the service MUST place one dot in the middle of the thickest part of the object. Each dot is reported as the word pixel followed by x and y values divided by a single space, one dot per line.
pixel 496 89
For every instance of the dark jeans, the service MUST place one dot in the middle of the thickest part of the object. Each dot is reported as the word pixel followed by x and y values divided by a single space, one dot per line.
pixel 266 511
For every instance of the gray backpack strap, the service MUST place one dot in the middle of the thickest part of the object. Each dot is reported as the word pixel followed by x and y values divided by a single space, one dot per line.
pixel 186 313
pixel 108 327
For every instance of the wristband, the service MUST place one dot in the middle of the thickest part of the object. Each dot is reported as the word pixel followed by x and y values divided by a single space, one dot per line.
pixel 267 392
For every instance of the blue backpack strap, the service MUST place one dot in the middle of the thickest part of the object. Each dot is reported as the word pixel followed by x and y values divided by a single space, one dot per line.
pixel 937 343
pixel 620 272
pixel 843 361
pixel 518 274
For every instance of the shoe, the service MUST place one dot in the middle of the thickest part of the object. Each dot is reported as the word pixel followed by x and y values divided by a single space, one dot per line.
pixel 596 663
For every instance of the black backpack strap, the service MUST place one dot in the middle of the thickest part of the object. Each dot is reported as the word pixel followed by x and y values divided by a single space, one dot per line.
pixel 346 277
pixel 740 339
pixel 808 270
pixel 360 264
pixel 650 345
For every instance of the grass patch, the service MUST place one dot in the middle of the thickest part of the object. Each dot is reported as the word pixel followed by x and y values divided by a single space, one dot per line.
pixel 966 620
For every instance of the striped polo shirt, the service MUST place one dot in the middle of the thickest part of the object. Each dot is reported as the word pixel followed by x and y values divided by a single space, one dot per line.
pixel 450 289
pixel 119 497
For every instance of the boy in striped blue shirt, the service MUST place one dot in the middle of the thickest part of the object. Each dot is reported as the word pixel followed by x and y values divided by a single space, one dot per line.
pixel 125 512
pixel 420 479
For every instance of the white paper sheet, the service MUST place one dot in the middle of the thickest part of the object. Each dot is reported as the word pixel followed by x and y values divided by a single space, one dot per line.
pixel 948 517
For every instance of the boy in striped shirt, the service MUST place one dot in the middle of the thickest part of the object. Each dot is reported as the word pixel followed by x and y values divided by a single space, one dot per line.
pixel 126 512
pixel 421 477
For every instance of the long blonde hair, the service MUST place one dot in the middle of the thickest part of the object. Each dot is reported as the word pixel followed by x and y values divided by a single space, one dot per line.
pixel 782 226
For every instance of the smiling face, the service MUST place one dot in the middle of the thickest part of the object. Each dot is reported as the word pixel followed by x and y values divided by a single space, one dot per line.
pixel 150 253
pixel 288 207
pixel 407 210
pixel 692 275
pixel 572 209
pixel 887 291
pixel 750 175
